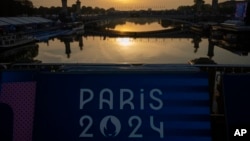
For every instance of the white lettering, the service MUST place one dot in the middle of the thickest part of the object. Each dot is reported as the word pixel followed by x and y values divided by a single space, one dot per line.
pixel 127 101
pixel 90 122
pixel 243 131
pixel 133 134
pixel 107 101
pixel 142 99
pixel 160 105
pixel 160 130
pixel 240 132
pixel 126 98
pixel 237 132
pixel 82 95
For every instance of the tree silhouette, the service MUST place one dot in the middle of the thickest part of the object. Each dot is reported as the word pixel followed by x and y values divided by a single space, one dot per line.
pixel 15 8
pixel 199 1
pixel 198 4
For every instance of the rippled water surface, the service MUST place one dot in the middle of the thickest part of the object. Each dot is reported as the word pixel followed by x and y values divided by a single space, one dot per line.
pixel 176 47
pixel 130 50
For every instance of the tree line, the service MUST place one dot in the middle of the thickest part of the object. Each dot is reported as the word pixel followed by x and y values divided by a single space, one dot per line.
pixel 14 7
pixel 25 7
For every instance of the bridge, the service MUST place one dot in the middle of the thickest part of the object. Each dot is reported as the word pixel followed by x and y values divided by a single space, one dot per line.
pixel 176 32
pixel 96 26
pixel 185 19
pixel 99 18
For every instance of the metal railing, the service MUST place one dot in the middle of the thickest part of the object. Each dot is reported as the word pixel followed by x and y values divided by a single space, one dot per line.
pixel 164 67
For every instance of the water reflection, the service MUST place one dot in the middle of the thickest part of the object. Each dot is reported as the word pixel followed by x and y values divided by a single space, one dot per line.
pixel 196 41
pixel 79 38
pixel 210 52
pixel 94 49
pixel 67 40
pixel 124 42
pixel 175 46
pixel 100 49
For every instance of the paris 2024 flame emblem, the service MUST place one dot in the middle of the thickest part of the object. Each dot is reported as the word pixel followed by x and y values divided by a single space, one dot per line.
pixel 110 126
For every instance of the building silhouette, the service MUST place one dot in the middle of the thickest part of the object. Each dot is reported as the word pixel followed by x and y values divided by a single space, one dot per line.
pixel 78 7
pixel 64 6
pixel 215 6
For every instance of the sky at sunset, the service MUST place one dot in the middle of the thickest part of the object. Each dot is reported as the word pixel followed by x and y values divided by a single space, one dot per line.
pixel 122 4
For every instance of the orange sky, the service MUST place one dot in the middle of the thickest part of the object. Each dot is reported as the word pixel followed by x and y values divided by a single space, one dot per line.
pixel 122 4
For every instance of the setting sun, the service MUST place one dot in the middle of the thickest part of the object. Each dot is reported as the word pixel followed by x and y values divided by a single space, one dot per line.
pixel 123 1
pixel 122 4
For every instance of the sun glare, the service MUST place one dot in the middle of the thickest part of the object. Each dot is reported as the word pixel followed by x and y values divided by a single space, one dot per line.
pixel 125 42
pixel 123 1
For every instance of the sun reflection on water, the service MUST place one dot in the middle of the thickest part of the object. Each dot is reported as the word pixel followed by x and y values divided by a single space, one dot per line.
pixel 124 42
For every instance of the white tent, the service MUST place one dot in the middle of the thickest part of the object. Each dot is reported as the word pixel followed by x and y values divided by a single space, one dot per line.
pixel 16 21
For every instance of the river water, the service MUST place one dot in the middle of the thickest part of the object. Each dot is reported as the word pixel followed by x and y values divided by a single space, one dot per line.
pixel 129 50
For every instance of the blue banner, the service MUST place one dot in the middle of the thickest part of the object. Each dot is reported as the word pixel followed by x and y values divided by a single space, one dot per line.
pixel 17 76
pixel 122 106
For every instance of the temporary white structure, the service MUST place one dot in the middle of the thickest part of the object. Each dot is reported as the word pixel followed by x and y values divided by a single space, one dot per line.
pixel 18 21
